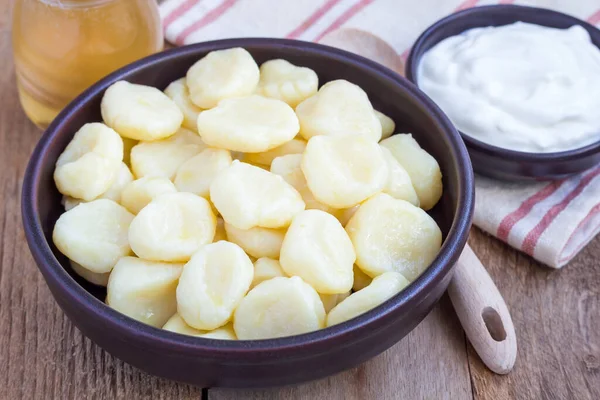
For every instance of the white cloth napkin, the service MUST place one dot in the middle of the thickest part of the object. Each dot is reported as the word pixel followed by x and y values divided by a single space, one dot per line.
pixel 550 221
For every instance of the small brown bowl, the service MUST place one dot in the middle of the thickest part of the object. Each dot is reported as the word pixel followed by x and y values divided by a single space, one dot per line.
pixel 260 363
pixel 494 161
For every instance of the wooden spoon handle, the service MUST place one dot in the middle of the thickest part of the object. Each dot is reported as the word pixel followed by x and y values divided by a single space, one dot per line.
pixel 483 313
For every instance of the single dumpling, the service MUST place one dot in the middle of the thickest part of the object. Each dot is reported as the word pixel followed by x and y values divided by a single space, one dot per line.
pixel 317 249
pixel 266 268
pixel 387 124
pixel 139 193
pixel 144 290
pixel 282 80
pixel 289 167
pixel 90 163
pixel 179 93
pixel 164 157
pixel 381 289
pixel 398 185
pixel 69 202
pixel 222 74
pixel 140 112
pixel 247 196
pixel 212 285
pixel 177 324
pixel 257 242
pixel 393 235
pixel 172 227
pixel 342 171
pixel 332 300
pixel 423 169
pixel 225 332
pixel 279 307
pixel 124 177
pixel 339 108
pixel 196 174
pixel 94 234
pixel 250 124
pixel 97 278
pixel 294 146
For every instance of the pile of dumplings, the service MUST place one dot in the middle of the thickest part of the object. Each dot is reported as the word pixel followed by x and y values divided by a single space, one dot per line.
pixel 246 202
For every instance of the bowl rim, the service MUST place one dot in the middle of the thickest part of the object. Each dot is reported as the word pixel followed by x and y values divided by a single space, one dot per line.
pixel 146 335
pixel 412 64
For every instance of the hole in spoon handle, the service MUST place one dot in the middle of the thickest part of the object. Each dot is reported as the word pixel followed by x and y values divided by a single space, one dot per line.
pixel 494 324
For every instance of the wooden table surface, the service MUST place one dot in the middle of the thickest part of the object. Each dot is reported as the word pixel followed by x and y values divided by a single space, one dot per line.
pixel 43 356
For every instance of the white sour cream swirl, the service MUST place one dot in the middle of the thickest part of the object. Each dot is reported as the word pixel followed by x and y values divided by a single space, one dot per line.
pixel 522 86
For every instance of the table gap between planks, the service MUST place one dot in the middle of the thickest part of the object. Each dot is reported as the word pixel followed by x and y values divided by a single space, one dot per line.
pixel 43 356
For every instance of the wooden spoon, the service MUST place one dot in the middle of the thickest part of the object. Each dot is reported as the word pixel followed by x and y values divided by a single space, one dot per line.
pixel 483 313
pixel 365 44
pixel 476 299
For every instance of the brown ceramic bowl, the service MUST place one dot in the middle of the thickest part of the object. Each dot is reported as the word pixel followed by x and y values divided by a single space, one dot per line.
pixel 261 363
pixel 494 161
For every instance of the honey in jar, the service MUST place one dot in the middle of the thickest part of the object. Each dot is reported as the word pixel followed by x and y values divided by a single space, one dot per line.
pixel 61 47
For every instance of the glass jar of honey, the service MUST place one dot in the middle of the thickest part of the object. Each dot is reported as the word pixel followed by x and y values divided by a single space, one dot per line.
pixel 61 47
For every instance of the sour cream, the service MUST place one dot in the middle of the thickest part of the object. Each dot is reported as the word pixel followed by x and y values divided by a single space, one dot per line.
pixel 523 87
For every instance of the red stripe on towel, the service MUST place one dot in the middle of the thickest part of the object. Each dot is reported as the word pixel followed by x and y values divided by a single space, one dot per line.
pixel 208 18
pixel 594 18
pixel 310 21
pixel 593 212
pixel 533 236
pixel 466 4
pixel 514 217
pixel 178 12
pixel 351 12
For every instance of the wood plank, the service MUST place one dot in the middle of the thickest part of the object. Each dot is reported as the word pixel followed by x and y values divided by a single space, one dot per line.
pixel 427 364
pixel 557 320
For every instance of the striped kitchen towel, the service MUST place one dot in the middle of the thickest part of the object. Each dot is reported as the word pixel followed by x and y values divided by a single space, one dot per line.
pixel 550 221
